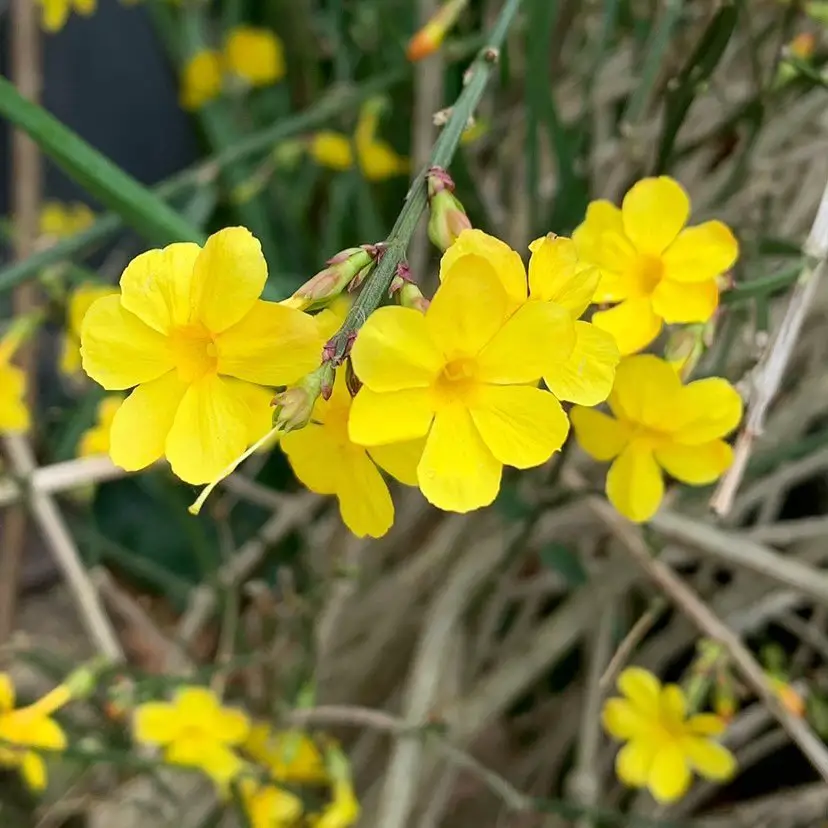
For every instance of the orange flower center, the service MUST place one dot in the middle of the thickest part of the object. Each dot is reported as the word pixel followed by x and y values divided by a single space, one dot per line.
pixel 194 351
pixel 648 271
pixel 457 380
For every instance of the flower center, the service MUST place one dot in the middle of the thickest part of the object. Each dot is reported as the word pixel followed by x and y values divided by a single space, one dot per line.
pixel 457 380
pixel 194 352
pixel 648 271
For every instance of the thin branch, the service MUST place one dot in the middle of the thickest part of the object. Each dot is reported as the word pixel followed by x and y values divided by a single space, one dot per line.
pixel 633 638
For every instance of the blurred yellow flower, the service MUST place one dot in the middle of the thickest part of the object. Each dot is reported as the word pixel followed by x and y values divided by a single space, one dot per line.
pixel 377 159
pixel 659 424
pixel 657 269
pixel 14 416
pixel 254 54
pixel 56 12
pixel 30 727
pixel 289 755
pixel 556 276
pixel 268 806
pixel 201 79
pixel 343 810
pixel 194 731
pixel 95 440
pixel 58 220
pixel 664 744
pixel 327 461
pixel 461 375
pixel 80 301
pixel 189 330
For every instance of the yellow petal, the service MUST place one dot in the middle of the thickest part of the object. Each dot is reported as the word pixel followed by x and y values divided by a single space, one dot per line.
pixel 711 408
pixel 197 706
pixel 332 150
pixel 394 350
pixel 270 345
pixel 154 723
pixel 400 460
pixel 587 375
pixel 260 411
pixel 254 54
pixel 221 764
pixel 83 297
pixel 391 417
pixel 521 426
pixel 315 457
pixel 85 7
pixel 709 759
pixel 641 688
pixel 647 390
pixel 654 211
pixel 55 14
pixel 6 693
pixel 599 435
pixel 14 416
pixel 673 705
pixel 228 277
pixel 669 777
pixel 231 726
pixel 506 262
pixel 364 499
pixel 677 302
pixel 468 308
pixel 457 471
pixel 701 253
pixel 69 361
pixel 697 464
pixel 201 79
pixel 633 324
pixel 118 349
pixel 536 336
pixel 601 240
pixel 156 286
pixel 557 275
pixel 634 484
pixel 141 424
pixel 706 724
pixel 634 762
pixel 624 721
pixel 209 431
pixel 33 769
pixel 379 161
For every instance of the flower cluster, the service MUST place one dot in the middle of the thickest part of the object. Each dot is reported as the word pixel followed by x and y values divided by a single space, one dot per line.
pixel 250 56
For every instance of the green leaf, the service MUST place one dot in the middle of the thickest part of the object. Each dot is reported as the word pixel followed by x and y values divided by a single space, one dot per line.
pixel 138 206
pixel 565 562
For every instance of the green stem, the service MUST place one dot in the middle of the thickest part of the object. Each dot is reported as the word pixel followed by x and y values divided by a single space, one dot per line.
pixel 762 287
pixel 396 245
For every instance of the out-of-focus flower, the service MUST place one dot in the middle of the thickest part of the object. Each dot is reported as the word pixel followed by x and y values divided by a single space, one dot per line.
pixel 659 424
pixel 289 755
pixel 431 36
pixel 80 301
pixel 254 54
pixel 664 744
pixel 14 416
pixel 194 731
pixel 654 267
pixel 801 48
pixel 189 330
pixel 343 810
pixel 95 440
pixel 268 806
pixel 26 731
pixel 327 461
pixel 201 79
pixel 58 220
pixel 56 12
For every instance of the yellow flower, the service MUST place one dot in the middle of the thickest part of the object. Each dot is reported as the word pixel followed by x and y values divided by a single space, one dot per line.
pixel 189 331
pixel 461 375
pixel 30 727
pixel 56 12
pixel 254 54
pixel 659 424
pixel 14 416
pixel 194 731
pixel 344 809
pixel 59 220
pixel 558 277
pixel 95 440
pixel 80 301
pixel 377 159
pixel 201 79
pixel 657 269
pixel 289 755
pixel 268 806
pixel 327 461
pixel 663 744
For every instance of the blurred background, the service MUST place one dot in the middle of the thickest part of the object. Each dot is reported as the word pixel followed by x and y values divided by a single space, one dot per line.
pixel 486 626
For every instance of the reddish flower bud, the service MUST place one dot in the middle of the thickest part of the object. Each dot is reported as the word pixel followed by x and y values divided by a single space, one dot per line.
pixel 343 269
pixel 430 37
pixel 447 221
pixel 294 405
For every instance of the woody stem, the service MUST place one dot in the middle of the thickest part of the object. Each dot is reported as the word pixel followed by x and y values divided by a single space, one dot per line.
pixel 377 285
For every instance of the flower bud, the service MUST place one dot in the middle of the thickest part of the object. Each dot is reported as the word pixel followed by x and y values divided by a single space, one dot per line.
pixel 326 285
pixel 411 296
pixel 448 217
pixel 429 39
pixel 294 406
pixel 685 348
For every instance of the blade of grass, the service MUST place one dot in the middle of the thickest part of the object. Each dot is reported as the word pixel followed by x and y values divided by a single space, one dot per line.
pixel 136 205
